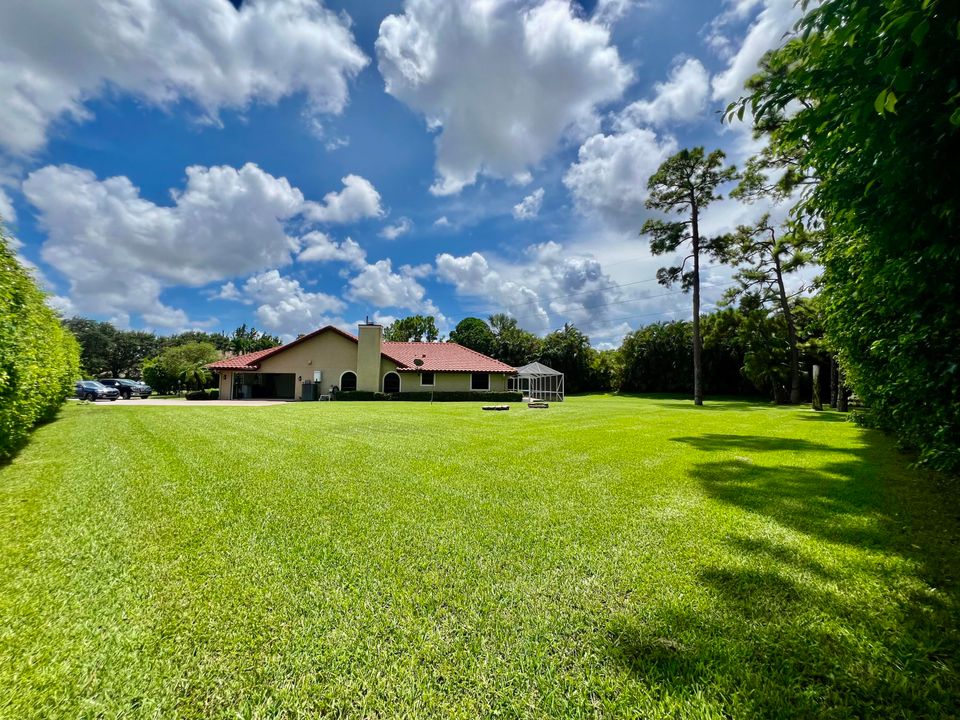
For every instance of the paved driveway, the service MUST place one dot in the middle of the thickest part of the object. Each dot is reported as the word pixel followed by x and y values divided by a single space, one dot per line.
pixel 176 402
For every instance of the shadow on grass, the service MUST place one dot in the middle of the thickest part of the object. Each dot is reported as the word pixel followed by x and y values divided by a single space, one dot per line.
pixel 788 632
pixel 18 445
pixel 719 403
pixel 831 416
pixel 713 442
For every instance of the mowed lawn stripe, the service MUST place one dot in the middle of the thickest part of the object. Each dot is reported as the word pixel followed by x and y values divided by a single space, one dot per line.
pixel 610 556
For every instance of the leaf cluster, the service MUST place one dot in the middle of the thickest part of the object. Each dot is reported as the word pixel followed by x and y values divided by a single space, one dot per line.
pixel 864 99
pixel 39 359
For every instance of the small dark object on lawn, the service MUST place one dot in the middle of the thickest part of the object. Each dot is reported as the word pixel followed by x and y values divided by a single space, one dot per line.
pixel 496 407
pixel 538 405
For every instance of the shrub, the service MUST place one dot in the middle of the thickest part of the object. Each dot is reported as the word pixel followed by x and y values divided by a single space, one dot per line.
pixel 39 359
pixel 458 396
pixel 441 396
pixel 179 366
pixel 203 395
pixel 361 395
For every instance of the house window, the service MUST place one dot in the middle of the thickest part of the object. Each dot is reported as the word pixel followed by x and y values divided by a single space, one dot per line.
pixel 391 383
pixel 348 382
pixel 426 378
pixel 480 381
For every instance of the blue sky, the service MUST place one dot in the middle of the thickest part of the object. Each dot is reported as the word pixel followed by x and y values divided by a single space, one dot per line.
pixel 175 164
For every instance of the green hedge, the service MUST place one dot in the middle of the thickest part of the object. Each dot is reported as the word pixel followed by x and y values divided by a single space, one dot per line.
pixel 39 358
pixel 442 396
pixel 209 394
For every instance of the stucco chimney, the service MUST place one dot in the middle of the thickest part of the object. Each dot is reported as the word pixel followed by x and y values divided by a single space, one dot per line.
pixel 368 357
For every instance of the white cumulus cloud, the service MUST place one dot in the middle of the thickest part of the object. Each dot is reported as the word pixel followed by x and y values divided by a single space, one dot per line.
pixel 57 55
pixel 682 97
pixel 401 227
pixel 7 212
pixel 501 81
pixel 765 33
pixel 119 251
pixel 547 286
pixel 609 178
pixel 359 199
pixel 380 286
pixel 319 247
pixel 284 306
pixel 529 207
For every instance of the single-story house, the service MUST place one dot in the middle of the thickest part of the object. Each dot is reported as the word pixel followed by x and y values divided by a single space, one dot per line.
pixel 331 357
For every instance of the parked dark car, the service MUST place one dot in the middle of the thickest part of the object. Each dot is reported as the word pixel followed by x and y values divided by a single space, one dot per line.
pixel 92 390
pixel 128 388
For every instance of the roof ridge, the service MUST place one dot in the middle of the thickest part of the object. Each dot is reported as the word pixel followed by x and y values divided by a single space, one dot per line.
pixel 477 352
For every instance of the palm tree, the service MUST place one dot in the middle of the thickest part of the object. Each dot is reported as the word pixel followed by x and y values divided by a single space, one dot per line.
pixel 196 375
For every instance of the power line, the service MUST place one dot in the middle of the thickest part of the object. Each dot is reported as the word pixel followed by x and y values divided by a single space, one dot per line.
pixel 546 301
pixel 491 311
pixel 610 322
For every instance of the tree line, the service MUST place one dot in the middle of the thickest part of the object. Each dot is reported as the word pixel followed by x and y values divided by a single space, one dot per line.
pixel 746 351
pixel 167 363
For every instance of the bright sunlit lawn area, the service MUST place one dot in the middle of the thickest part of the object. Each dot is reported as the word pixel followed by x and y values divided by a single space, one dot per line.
pixel 618 557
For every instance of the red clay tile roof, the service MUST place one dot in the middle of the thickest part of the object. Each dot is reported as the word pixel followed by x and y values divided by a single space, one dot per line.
pixel 441 357
pixel 251 361
pixel 437 357
pixel 240 362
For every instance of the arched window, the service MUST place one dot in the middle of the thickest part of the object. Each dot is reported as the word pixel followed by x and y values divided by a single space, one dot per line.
pixel 391 383
pixel 348 381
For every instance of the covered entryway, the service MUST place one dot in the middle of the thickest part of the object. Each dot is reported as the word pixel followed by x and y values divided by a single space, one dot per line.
pixel 264 386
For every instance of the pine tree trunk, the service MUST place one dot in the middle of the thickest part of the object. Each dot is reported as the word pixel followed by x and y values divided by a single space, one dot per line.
pixel 833 382
pixel 791 334
pixel 816 404
pixel 697 340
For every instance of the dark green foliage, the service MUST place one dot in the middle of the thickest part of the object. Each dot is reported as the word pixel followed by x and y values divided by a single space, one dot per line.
pixel 475 334
pixel 105 350
pixel 39 359
pixel 725 347
pixel 568 350
pixel 441 396
pixel 746 351
pixel 212 394
pixel 180 366
pixel 361 395
pixel 109 351
pixel 606 370
pixel 246 340
pixel 415 328
pixel 220 341
pixel 874 120
pixel 658 358
pixel 764 255
pixel 512 344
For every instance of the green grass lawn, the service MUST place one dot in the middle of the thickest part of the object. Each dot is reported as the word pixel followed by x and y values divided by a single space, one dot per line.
pixel 616 557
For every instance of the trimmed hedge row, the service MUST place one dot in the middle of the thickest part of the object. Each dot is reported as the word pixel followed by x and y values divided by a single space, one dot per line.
pixel 39 358
pixel 210 394
pixel 442 396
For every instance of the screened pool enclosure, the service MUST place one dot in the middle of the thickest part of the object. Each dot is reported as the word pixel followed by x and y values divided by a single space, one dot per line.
pixel 538 382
